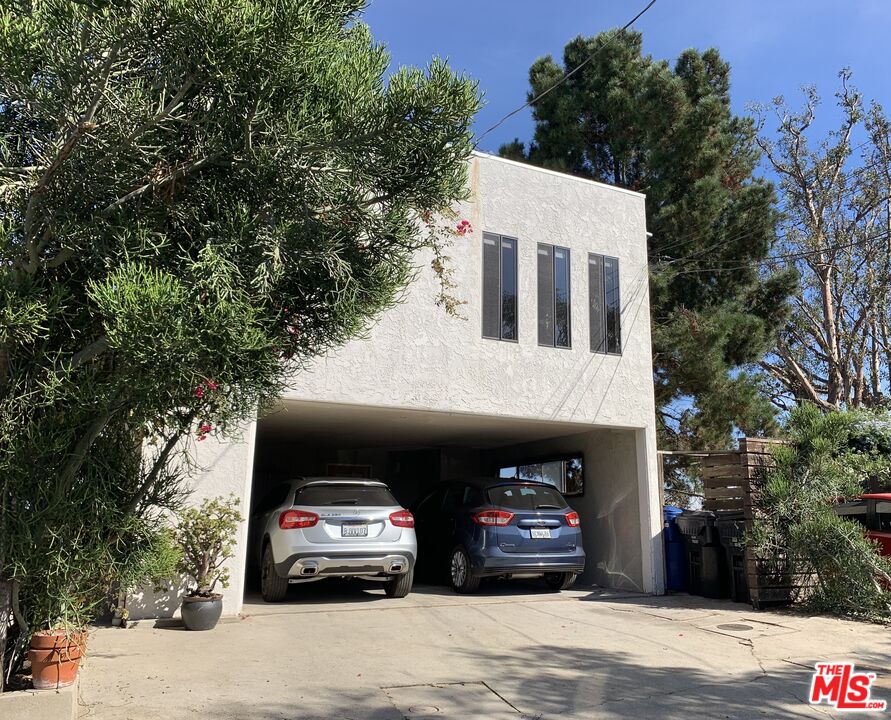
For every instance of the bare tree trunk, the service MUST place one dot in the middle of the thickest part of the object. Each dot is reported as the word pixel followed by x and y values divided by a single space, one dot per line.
pixel 6 618
pixel 875 376
pixel 835 389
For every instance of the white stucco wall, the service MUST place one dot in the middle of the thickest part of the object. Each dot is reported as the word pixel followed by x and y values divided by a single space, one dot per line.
pixel 419 357
pixel 222 467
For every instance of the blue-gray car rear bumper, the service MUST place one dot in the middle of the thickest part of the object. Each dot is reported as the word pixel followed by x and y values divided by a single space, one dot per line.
pixel 493 561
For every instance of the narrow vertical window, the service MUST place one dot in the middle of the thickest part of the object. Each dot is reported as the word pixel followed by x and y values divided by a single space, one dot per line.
pixel 561 298
pixel 595 303
pixel 604 304
pixel 499 287
pixel 508 289
pixel 613 309
pixel 545 294
pixel 553 296
pixel 491 286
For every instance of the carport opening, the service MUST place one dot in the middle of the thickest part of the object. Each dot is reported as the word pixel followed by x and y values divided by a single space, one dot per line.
pixel 412 450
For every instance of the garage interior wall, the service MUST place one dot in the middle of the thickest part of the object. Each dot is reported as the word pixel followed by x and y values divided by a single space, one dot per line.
pixel 609 508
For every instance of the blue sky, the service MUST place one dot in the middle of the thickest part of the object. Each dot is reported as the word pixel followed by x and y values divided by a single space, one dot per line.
pixel 773 46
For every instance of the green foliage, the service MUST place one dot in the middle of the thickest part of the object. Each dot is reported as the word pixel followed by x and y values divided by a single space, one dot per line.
pixel 196 197
pixel 831 457
pixel 205 536
pixel 152 563
pixel 635 122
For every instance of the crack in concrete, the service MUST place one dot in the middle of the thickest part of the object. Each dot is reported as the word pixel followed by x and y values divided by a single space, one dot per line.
pixel 746 642
pixel 500 696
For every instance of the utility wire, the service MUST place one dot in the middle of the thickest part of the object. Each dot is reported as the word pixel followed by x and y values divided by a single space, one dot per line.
pixel 798 224
pixel 803 255
pixel 567 75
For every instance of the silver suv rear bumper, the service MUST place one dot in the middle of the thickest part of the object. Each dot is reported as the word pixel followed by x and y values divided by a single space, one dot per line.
pixel 305 566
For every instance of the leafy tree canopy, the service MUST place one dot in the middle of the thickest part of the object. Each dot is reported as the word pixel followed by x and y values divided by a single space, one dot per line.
pixel 190 191
pixel 635 122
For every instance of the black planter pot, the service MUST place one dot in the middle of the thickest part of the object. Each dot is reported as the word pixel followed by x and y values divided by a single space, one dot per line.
pixel 202 613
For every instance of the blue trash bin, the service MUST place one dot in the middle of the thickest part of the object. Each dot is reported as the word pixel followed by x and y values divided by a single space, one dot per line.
pixel 675 552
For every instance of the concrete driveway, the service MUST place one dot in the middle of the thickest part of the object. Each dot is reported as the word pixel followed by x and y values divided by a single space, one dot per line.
pixel 513 651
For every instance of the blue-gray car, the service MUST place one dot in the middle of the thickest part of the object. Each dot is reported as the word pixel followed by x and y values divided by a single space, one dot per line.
pixel 471 529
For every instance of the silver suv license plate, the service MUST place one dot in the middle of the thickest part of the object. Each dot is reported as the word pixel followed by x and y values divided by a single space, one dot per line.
pixel 353 530
pixel 541 533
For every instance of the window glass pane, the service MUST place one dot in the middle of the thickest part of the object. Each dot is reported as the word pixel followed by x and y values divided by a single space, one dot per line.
pixel 359 495
pixel 508 289
pixel 611 301
pixel 857 507
pixel 595 303
pixel 561 297
pixel 855 511
pixel 274 497
pixel 453 499
pixel 473 496
pixel 491 289
pixel 526 497
pixel 574 483
pixel 883 516
pixel 547 472
pixel 565 475
pixel 545 295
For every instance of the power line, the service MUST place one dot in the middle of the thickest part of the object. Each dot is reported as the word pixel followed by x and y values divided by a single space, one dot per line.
pixel 798 224
pixel 804 254
pixel 567 75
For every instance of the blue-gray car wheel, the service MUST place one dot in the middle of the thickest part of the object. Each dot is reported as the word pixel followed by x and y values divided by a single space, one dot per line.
pixel 460 573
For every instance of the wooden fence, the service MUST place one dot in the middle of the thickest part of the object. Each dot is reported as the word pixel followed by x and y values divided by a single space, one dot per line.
pixel 732 482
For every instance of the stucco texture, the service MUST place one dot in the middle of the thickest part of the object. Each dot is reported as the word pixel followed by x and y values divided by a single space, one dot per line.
pixel 418 356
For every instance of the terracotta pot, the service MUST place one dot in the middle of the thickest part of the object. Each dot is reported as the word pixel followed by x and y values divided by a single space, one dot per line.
pixel 55 658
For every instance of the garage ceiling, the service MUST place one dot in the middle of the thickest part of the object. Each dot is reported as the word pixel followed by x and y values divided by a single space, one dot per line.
pixel 364 426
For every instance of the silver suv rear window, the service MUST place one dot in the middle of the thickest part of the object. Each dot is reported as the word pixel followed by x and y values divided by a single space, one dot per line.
pixel 526 497
pixel 345 495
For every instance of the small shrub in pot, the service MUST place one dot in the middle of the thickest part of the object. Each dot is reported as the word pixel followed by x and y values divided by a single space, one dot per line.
pixel 206 537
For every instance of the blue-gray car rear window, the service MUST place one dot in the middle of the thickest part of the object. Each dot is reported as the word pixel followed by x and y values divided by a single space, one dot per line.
pixel 361 495
pixel 526 497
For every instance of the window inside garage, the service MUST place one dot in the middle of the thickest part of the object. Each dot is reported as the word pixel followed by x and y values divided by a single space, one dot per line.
pixel 565 474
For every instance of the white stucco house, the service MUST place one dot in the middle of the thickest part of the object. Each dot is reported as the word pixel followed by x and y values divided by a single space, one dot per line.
pixel 549 374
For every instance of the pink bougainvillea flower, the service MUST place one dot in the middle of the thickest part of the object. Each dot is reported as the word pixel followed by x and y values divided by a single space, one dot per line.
pixel 463 227
pixel 199 392
pixel 427 216
pixel 211 385
pixel 205 428
pixel 201 437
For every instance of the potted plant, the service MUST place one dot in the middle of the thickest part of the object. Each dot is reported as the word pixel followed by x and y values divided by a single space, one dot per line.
pixel 55 657
pixel 206 537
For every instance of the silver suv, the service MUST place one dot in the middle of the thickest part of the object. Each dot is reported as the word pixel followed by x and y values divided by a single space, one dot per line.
pixel 311 528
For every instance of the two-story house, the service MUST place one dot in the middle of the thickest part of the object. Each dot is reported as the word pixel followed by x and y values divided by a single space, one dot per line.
pixel 547 375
